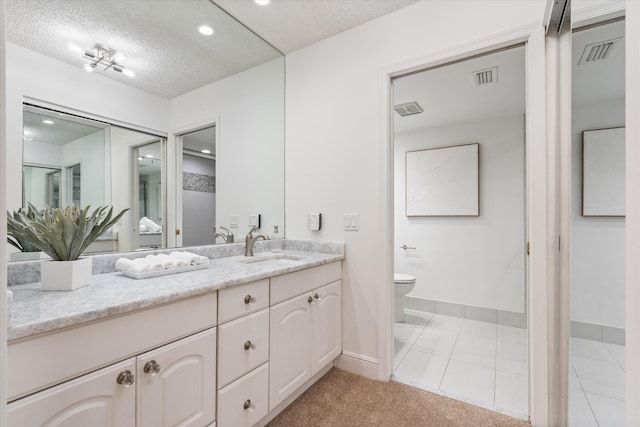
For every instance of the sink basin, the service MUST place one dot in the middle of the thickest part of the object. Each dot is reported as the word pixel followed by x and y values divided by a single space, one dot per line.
pixel 270 258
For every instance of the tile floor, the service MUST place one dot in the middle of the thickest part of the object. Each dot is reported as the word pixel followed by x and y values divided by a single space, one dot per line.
pixel 486 364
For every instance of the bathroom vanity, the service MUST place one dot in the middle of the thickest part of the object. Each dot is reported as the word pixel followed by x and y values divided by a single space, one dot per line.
pixel 231 345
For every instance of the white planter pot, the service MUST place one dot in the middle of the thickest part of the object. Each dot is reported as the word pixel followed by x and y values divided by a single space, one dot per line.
pixel 65 275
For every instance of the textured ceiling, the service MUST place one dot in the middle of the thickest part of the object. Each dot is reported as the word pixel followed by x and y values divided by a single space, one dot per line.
pixel 160 40
pixel 158 37
pixel 290 25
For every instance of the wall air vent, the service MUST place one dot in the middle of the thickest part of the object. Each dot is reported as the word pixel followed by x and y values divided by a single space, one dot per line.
pixel 596 52
pixel 408 109
pixel 488 76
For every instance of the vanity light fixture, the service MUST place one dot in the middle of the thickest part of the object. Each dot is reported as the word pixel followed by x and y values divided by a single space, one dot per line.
pixel 205 30
pixel 104 56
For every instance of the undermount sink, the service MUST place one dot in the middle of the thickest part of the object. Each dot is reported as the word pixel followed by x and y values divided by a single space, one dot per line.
pixel 271 258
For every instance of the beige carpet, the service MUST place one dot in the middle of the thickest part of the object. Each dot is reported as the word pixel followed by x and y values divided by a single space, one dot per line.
pixel 341 398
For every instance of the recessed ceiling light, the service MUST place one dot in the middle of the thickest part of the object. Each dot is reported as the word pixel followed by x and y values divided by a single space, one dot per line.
pixel 205 30
pixel 206 151
pixel 140 158
pixel 149 156
pixel 262 2
pixel 49 122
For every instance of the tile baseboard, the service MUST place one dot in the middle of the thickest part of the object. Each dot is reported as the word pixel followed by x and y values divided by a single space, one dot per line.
pixel 596 332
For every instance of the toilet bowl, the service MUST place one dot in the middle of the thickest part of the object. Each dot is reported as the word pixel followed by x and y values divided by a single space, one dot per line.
pixel 402 285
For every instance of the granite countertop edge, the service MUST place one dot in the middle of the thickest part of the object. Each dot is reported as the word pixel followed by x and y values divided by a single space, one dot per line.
pixel 35 312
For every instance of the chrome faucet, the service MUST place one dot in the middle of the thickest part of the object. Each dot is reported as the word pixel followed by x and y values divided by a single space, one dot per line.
pixel 250 240
pixel 228 238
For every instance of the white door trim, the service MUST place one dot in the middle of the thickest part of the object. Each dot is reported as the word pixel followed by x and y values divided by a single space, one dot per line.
pixel 533 35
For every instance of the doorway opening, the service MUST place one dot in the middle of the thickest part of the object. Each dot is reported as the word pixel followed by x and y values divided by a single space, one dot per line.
pixel 460 231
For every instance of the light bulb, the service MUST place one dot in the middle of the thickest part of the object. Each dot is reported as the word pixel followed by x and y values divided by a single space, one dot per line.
pixel 206 151
pixel 119 57
pixel 75 48
pixel 205 30
pixel 48 122
pixel 262 2
pixel 89 67
pixel 129 73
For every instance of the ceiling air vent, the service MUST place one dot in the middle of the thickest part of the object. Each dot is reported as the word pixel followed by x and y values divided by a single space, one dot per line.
pixel 408 109
pixel 488 76
pixel 600 51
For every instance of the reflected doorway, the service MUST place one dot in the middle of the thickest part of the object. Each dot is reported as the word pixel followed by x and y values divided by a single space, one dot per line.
pixel 148 197
pixel 199 187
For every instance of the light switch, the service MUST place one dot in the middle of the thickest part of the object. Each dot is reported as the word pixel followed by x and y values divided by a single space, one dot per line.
pixel 351 222
pixel 315 221
pixel 234 220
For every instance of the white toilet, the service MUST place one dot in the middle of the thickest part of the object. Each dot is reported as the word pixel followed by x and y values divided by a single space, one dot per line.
pixel 402 285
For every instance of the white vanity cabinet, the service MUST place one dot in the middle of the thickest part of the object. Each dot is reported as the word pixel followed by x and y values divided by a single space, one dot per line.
pixel 94 399
pixel 243 355
pixel 305 330
pixel 139 369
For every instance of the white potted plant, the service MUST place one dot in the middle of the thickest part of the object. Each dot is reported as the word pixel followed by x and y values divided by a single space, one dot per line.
pixel 63 234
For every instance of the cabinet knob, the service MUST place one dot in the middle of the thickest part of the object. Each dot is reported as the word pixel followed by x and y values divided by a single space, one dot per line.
pixel 249 299
pixel 248 405
pixel 249 345
pixel 151 367
pixel 316 297
pixel 310 300
pixel 125 378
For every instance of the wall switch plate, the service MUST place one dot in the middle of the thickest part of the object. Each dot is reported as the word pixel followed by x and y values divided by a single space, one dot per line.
pixel 315 221
pixel 234 220
pixel 352 222
pixel 254 220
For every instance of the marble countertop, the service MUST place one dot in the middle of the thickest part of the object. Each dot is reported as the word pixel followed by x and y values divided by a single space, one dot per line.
pixel 34 311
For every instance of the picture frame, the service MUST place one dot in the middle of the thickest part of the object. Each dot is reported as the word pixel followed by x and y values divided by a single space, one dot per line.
pixel 603 172
pixel 443 181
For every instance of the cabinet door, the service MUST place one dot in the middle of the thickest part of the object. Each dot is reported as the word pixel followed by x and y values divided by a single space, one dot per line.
pixel 95 400
pixel 326 325
pixel 290 349
pixel 177 383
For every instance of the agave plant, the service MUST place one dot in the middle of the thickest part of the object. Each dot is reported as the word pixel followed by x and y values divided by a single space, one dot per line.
pixel 16 239
pixel 61 233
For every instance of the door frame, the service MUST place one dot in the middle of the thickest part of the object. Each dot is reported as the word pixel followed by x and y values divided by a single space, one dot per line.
pixel 536 198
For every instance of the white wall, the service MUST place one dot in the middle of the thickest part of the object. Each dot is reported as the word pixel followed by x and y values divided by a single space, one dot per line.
pixel 597 244
pixel 336 149
pixel 89 152
pixel 42 154
pixel 476 261
pixel 36 76
pixel 249 151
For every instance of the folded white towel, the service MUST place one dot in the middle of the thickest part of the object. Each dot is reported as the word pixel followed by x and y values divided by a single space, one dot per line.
pixel 150 225
pixel 155 263
pixel 179 262
pixel 191 258
pixel 137 265
pixel 167 261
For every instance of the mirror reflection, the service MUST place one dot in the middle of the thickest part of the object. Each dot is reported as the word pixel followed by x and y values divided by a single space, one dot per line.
pixel 226 91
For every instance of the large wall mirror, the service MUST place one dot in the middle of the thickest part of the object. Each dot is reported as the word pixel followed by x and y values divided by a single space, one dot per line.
pixel 184 129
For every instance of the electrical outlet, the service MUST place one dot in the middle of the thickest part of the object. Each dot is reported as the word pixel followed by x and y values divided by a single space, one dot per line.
pixel 315 221
pixel 254 220
pixel 351 222
pixel 234 220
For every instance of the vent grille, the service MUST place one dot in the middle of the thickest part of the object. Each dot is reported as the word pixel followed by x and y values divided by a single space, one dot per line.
pixel 488 76
pixel 600 51
pixel 408 109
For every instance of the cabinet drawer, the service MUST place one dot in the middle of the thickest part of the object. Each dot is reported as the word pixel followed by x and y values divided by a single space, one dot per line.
pixel 293 284
pixel 241 300
pixel 243 344
pixel 245 401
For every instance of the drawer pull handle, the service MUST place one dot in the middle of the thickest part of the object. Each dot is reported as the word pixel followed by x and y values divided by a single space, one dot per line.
pixel 125 378
pixel 248 405
pixel 310 300
pixel 249 299
pixel 249 346
pixel 151 367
